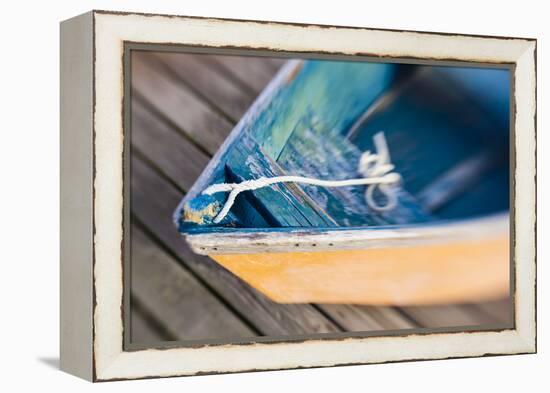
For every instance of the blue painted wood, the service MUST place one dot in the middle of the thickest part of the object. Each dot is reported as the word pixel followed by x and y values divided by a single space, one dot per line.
pixel 336 92
pixel 313 150
pixel 431 126
pixel 280 205
pixel 435 120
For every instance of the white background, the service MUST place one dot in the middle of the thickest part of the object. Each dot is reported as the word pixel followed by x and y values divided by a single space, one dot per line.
pixel 29 204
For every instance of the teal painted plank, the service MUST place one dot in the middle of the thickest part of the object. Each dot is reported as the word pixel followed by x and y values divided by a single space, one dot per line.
pixel 335 92
pixel 281 204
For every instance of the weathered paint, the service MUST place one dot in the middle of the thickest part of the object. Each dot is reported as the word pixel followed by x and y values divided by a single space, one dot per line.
pixel 444 273
pixel 281 205
pixel 334 91
pixel 201 210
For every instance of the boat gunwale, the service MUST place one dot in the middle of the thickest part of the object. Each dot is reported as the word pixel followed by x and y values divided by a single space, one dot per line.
pixel 224 240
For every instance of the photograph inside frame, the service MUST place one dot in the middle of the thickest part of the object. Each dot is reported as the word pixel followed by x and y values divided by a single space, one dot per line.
pixel 290 197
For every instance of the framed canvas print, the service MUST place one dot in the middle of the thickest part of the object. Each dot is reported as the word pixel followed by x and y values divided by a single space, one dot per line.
pixel 245 195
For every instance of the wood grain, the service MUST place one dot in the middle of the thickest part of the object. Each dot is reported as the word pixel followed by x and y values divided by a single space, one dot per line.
pixel 500 311
pixel 252 73
pixel 189 70
pixel 179 104
pixel 188 310
pixel 173 154
pixel 144 327
pixel 455 315
pixel 354 318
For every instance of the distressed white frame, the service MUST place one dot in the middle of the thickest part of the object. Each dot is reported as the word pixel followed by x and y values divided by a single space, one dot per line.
pixel 109 361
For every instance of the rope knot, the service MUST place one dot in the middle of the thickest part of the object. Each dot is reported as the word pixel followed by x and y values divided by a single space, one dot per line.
pixel 372 165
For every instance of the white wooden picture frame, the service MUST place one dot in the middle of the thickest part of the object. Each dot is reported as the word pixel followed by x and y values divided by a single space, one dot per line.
pixel 93 241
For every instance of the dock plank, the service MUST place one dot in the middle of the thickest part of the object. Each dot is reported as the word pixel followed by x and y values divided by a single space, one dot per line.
pixel 189 70
pixel 450 315
pixel 142 327
pixel 354 318
pixel 501 311
pixel 189 311
pixel 253 72
pixel 179 104
pixel 168 150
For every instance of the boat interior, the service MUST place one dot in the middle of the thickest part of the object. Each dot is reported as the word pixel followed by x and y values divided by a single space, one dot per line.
pixel 447 129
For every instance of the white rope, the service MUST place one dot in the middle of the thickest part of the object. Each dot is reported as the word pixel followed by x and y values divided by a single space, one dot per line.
pixel 375 167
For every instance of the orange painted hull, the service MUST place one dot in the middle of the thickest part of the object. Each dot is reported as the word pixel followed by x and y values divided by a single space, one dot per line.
pixel 466 271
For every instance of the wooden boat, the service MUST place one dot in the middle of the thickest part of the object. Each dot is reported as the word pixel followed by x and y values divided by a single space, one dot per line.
pixel 446 237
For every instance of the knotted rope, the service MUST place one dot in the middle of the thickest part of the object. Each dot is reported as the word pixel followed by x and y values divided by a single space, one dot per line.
pixel 375 168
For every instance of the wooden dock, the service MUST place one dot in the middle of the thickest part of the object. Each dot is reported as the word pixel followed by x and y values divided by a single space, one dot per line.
pixel 183 107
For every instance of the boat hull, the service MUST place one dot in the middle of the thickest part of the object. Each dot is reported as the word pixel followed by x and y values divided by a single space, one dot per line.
pixel 456 272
